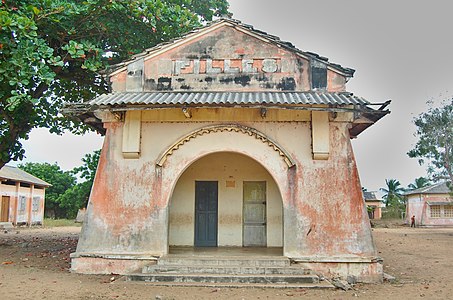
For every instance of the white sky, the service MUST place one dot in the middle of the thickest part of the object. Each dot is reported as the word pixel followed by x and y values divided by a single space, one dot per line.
pixel 401 50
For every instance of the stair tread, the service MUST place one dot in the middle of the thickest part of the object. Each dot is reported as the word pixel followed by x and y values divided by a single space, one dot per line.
pixel 224 266
pixel 240 257
pixel 222 275
pixel 318 285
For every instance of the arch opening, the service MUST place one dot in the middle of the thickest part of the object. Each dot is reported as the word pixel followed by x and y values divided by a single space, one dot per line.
pixel 225 199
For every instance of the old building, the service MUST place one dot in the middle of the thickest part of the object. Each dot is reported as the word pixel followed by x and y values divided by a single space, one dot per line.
pixel 431 206
pixel 374 205
pixel 228 137
pixel 22 195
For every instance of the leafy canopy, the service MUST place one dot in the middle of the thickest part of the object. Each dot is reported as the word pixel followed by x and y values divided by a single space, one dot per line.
pixel 52 50
pixel 435 141
pixel 418 183
pixel 60 182
pixel 66 195
pixel 393 193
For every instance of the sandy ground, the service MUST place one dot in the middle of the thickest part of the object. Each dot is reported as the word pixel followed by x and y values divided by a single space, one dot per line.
pixel 34 264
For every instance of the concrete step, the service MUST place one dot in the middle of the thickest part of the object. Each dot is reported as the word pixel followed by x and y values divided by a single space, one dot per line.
pixel 225 278
pixel 242 261
pixel 319 285
pixel 216 269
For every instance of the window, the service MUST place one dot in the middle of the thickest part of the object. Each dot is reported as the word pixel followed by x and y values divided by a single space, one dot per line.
pixel 448 211
pixel 435 211
pixel 22 204
pixel 35 204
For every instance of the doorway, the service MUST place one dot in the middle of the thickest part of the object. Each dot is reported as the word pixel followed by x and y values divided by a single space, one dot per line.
pixel 206 213
pixel 4 209
pixel 254 214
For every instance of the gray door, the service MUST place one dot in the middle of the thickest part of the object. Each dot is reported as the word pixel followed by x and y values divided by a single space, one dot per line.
pixel 254 214
pixel 206 203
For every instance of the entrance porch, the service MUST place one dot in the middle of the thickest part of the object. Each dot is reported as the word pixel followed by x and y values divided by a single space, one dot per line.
pixel 228 267
pixel 226 200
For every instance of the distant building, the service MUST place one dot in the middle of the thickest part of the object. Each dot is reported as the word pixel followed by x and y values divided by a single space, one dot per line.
pixel 22 197
pixel 373 205
pixel 431 206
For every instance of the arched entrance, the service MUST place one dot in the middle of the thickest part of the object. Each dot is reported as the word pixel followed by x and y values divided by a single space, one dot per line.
pixel 226 199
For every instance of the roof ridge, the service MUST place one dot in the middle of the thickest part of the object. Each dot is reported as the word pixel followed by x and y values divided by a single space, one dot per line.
pixel 275 39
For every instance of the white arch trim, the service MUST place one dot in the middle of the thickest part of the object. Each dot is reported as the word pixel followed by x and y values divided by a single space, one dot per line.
pixel 229 128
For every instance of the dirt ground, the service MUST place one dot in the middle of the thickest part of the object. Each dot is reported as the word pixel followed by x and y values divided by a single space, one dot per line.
pixel 34 264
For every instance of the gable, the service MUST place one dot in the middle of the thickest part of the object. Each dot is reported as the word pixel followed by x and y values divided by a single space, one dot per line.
pixel 226 57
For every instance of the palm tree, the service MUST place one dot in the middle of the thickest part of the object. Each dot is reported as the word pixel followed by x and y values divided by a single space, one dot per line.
pixel 393 194
pixel 419 183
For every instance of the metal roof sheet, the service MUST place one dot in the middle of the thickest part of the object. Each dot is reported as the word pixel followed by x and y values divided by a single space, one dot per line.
pixel 16 174
pixel 370 196
pixel 229 98
pixel 438 188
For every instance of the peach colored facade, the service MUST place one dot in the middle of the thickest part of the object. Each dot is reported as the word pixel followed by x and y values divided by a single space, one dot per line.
pixel 431 206
pixel 144 197
pixel 373 204
pixel 22 202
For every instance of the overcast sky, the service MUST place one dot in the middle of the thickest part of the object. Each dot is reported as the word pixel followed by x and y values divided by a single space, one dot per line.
pixel 401 50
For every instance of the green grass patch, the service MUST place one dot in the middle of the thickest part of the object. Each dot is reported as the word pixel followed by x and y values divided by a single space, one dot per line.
pixel 60 223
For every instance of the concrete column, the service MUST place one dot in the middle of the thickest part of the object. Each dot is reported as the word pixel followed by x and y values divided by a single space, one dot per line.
pixel 320 134
pixel 15 200
pixel 131 134
pixel 30 205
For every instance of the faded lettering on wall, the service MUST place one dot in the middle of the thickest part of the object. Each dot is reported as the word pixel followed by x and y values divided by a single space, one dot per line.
pixel 227 66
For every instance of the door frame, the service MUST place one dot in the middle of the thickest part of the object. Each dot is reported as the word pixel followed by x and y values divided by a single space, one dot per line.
pixel 197 241
pixel 5 199
pixel 264 223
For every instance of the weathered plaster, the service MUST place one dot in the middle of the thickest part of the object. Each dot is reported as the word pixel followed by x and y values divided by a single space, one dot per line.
pixel 223 167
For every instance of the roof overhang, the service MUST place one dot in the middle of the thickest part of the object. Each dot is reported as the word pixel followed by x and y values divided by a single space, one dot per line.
pixel 440 202
pixel 364 115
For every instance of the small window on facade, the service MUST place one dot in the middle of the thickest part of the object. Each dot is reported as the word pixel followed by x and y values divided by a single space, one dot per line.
pixel 22 203
pixel 435 211
pixel 35 203
pixel 448 211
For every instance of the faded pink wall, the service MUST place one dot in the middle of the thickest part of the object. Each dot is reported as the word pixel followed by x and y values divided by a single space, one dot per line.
pixel 418 206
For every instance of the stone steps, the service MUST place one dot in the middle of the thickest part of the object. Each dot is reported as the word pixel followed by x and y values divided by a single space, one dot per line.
pixel 320 285
pixel 228 271
pixel 232 270
pixel 242 261
pixel 225 278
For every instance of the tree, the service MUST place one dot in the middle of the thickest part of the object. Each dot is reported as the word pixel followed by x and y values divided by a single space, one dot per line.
pixel 393 193
pixel 77 196
pixel 435 144
pixel 60 180
pixel 419 183
pixel 52 50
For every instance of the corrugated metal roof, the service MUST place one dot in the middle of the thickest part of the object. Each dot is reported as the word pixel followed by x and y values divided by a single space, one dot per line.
pixel 229 98
pixel 438 188
pixel 370 196
pixel 16 174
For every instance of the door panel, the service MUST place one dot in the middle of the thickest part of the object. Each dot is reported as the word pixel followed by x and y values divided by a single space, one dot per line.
pixel 4 209
pixel 206 215
pixel 254 213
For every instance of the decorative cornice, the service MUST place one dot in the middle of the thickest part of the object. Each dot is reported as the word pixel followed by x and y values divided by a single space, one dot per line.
pixel 229 128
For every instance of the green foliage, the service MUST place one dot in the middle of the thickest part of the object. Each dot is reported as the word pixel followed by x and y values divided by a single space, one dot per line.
pixel 393 212
pixel 419 183
pixel 48 222
pixel 51 51
pixel 435 144
pixel 393 193
pixel 60 180
pixel 77 196
pixel 65 197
